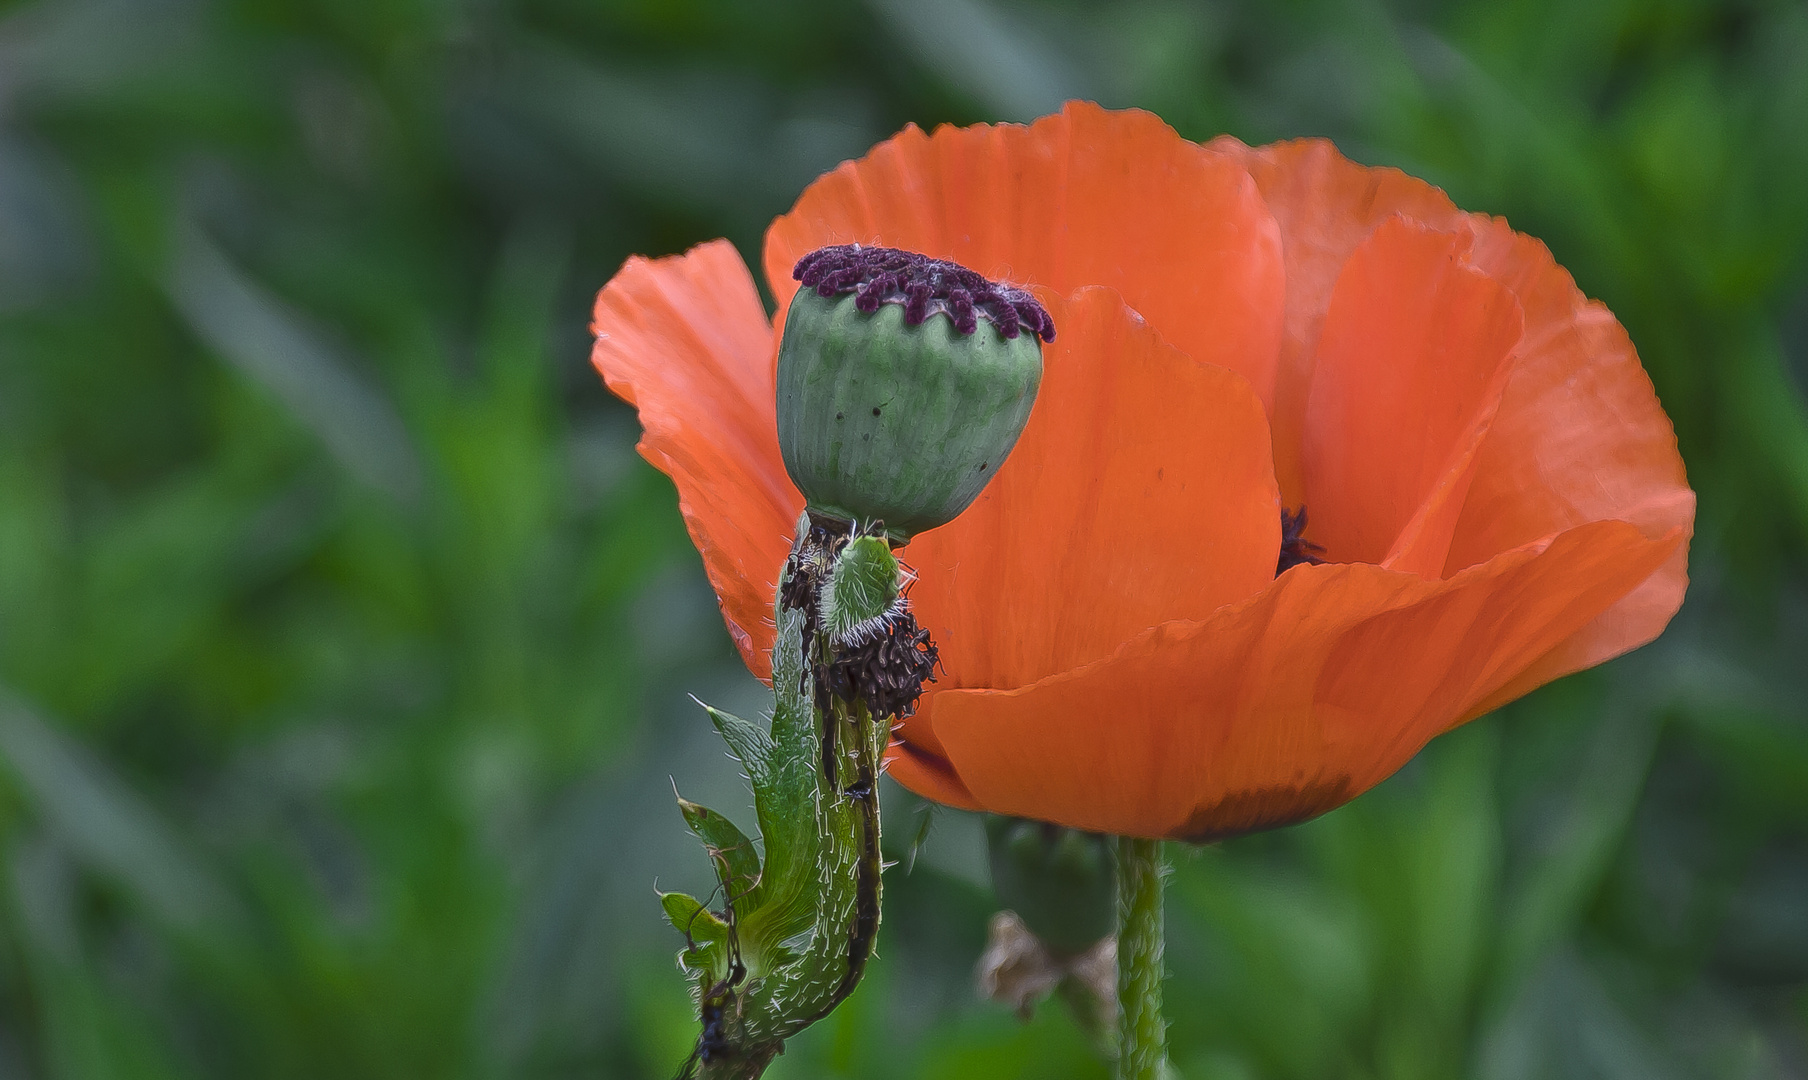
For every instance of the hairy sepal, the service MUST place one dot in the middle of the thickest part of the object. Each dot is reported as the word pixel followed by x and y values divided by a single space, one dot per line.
pixel 862 591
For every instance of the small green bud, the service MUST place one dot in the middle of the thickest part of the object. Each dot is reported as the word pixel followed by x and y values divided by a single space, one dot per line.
pixel 903 383
pixel 861 591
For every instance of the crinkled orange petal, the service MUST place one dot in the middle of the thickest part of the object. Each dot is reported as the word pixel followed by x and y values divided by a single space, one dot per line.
pixel 1084 197
pixel 686 342
pixel 1579 434
pixel 927 773
pixel 1282 708
pixel 1410 367
pixel 1325 205
pixel 1141 491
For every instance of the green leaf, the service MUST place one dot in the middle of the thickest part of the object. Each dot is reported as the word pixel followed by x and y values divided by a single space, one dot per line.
pixel 751 746
pixel 689 917
pixel 705 934
pixel 784 798
pixel 737 861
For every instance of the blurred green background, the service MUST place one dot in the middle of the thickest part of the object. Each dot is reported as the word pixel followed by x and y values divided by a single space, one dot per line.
pixel 345 642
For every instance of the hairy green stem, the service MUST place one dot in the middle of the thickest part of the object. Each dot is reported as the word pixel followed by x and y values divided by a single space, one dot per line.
pixel 1142 1033
pixel 745 1065
pixel 796 928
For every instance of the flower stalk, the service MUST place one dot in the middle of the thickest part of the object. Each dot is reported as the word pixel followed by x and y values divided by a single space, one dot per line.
pixel 795 929
pixel 885 415
pixel 1142 1032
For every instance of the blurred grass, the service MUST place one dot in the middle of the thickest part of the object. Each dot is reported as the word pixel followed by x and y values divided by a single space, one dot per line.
pixel 344 640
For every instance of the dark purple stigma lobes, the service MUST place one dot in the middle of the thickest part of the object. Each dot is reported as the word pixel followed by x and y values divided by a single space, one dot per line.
pixel 1295 548
pixel 923 286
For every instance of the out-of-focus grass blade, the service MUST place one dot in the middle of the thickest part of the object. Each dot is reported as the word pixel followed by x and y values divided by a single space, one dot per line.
pixel 44 901
pixel 692 138
pixel 1544 903
pixel 1778 419
pixel 105 826
pixel 90 1029
pixel 254 331
pixel 92 48
pixel 1453 867
pixel 1001 63
pixel 43 245
pixel 1568 1025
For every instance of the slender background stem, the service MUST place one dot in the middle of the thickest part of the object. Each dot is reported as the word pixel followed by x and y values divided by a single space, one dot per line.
pixel 1143 1034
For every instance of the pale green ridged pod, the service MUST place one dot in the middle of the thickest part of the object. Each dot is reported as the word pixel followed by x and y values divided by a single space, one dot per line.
pixel 878 420
pixel 903 383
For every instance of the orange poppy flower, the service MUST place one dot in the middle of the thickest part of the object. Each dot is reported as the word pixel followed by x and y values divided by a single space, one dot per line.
pixel 1493 486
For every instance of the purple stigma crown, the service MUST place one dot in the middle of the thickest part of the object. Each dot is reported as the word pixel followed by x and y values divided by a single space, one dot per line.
pixel 923 286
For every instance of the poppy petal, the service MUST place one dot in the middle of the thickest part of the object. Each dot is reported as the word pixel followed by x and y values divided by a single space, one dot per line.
pixel 1279 709
pixel 685 341
pixel 1085 197
pixel 1325 205
pixel 1410 366
pixel 928 774
pixel 1579 436
pixel 1141 491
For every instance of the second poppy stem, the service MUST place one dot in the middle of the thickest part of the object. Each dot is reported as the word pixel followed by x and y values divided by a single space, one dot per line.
pixel 1142 1032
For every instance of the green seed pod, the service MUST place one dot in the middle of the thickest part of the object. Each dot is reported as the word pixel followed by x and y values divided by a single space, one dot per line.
pixel 903 382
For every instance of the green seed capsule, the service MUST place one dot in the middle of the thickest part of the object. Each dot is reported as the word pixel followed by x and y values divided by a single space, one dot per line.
pixel 882 416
